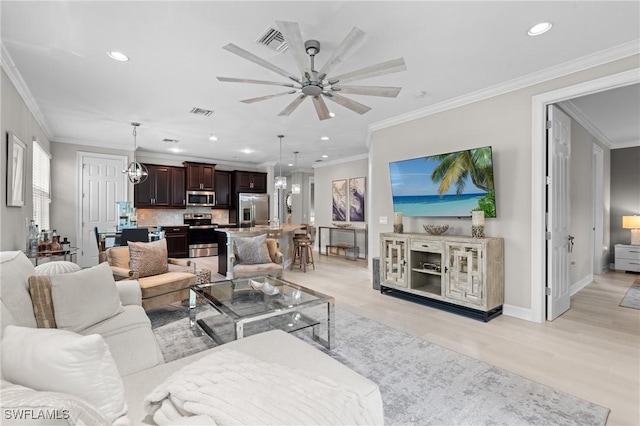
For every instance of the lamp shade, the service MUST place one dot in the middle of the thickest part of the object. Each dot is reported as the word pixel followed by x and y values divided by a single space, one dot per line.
pixel 631 222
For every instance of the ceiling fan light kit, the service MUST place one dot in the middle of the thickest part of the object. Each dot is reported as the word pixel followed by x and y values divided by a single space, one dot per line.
pixel 317 84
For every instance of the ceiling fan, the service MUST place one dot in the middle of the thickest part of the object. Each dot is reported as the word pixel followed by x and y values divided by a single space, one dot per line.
pixel 318 85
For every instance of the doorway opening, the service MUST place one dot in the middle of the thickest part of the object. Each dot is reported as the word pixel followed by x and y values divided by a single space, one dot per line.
pixel 538 161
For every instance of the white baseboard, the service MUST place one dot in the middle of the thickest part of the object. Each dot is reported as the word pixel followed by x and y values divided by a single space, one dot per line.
pixel 576 287
pixel 517 312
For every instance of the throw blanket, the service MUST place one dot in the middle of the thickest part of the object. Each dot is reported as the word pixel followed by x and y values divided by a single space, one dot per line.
pixel 232 388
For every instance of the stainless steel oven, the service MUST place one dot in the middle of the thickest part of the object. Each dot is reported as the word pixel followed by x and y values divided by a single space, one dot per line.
pixel 202 237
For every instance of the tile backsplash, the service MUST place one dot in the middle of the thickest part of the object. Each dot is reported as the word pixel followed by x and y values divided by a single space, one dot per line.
pixel 172 217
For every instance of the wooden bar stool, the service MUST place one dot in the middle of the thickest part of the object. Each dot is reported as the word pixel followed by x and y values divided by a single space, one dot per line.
pixel 303 249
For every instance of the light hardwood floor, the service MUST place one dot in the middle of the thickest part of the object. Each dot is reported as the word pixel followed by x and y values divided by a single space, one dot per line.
pixel 591 352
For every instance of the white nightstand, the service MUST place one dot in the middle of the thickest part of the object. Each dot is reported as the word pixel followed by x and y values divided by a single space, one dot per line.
pixel 627 257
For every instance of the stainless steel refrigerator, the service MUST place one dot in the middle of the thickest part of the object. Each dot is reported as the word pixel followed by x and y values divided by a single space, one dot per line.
pixel 253 209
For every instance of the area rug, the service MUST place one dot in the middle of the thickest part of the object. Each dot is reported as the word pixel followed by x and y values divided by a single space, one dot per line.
pixel 423 383
pixel 632 298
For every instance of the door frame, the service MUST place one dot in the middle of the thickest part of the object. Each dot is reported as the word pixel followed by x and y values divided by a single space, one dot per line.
pixel 598 265
pixel 538 172
pixel 79 161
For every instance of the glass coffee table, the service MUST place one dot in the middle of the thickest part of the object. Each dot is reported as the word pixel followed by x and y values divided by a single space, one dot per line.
pixel 258 304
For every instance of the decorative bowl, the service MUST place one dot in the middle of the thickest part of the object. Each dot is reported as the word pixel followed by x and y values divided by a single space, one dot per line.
pixel 341 225
pixel 435 229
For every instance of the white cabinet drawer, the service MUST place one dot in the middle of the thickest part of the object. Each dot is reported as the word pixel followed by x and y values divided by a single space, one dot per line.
pixel 426 245
pixel 626 252
pixel 627 265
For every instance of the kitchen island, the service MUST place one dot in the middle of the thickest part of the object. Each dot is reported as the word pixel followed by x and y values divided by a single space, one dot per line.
pixel 225 237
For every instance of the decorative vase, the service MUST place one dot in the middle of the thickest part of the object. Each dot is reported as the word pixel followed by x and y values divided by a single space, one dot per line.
pixel 477 224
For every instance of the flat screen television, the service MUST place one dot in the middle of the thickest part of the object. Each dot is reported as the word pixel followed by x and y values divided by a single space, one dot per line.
pixel 444 185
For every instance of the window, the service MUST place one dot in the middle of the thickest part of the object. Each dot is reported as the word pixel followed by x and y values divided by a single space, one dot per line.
pixel 41 185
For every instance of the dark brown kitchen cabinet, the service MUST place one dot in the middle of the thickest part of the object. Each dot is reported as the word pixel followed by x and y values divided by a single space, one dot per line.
pixel 178 187
pixel 222 185
pixel 177 240
pixel 163 188
pixel 200 176
pixel 250 182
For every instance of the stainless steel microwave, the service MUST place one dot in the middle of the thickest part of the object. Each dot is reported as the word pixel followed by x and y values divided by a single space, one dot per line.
pixel 201 198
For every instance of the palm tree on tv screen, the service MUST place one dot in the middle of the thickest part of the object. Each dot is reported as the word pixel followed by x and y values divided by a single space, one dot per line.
pixel 456 167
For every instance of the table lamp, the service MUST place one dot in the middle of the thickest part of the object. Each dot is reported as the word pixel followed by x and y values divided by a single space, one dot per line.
pixel 633 223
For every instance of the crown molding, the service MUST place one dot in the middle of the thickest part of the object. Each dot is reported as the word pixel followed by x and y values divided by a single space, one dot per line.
pixel 600 58
pixel 21 86
pixel 572 110
pixel 341 161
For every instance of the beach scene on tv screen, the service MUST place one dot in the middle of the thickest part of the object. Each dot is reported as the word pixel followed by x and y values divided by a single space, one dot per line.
pixel 452 184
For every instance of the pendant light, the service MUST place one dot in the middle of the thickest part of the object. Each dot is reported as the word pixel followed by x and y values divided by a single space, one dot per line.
pixel 136 172
pixel 281 181
pixel 295 187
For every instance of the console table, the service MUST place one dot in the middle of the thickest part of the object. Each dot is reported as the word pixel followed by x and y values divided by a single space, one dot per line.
pixel 345 239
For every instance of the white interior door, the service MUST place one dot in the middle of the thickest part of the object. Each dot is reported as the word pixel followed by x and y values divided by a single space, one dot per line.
pixel 102 184
pixel 559 242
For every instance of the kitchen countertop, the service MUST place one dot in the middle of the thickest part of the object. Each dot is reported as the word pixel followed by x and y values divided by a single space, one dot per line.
pixel 260 229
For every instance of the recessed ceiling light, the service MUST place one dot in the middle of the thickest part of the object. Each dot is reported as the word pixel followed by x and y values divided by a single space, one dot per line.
pixel 540 28
pixel 176 150
pixel 325 156
pixel 419 94
pixel 213 138
pixel 331 114
pixel 325 138
pixel 247 151
pixel 290 164
pixel 118 56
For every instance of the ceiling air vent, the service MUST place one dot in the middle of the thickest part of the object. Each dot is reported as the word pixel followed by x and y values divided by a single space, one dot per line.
pixel 273 39
pixel 170 140
pixel 201 111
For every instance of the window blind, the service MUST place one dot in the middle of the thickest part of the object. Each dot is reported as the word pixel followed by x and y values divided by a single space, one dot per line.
pixel 41 185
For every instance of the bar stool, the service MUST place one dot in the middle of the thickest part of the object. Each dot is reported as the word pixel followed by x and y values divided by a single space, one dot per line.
pixel 303 249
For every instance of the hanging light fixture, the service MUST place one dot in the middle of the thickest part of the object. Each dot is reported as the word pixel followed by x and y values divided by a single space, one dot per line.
pixel 295 187
pixel 281 181
pixel 136 172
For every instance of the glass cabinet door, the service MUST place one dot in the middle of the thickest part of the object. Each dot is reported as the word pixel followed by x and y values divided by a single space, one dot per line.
pixel 394 261
pixel 464 275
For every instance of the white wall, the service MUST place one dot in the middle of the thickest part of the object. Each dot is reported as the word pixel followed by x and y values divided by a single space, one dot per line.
pixel 505 123
pixel 625 192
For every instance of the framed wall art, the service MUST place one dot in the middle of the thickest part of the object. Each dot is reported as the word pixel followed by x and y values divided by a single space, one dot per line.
pixel 16 166
pixel 339 196
pixel 356 199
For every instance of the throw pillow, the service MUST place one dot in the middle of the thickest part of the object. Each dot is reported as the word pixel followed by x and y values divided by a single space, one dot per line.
pixel 146 259
pixel 252 250
pixel 55 406
pixel 84 298
pixel 61 361
pixel 54 268
pixel 40 290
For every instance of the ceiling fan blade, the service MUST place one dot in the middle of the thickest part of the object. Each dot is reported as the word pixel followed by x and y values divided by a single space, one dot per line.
pixel 293 105
pixel 293 37
pixel 264 98
pixel 256 60
pixel 321 108
pixel 245 80
pixel 350 44
pixel 347 103
pixel 388 92
pixel 388 67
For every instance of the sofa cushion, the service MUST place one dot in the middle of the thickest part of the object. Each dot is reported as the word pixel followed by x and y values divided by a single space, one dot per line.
pixel 272 247
pixel 118 257
pixel 252 250
pixel 40 290
pixel 146 259
pixel 66 407
pixel 61 361
pixel 84 298
pixel 165 283
pixel 15 270
pixel 54 268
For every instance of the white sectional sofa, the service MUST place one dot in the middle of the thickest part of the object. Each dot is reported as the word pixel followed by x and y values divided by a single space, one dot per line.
pixel 137 356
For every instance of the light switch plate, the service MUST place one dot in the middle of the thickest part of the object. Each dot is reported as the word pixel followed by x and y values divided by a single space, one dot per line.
pixel 383 220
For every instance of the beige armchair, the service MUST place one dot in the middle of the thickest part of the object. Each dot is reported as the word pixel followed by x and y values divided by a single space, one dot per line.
pixel 274 268
pixel 158 289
